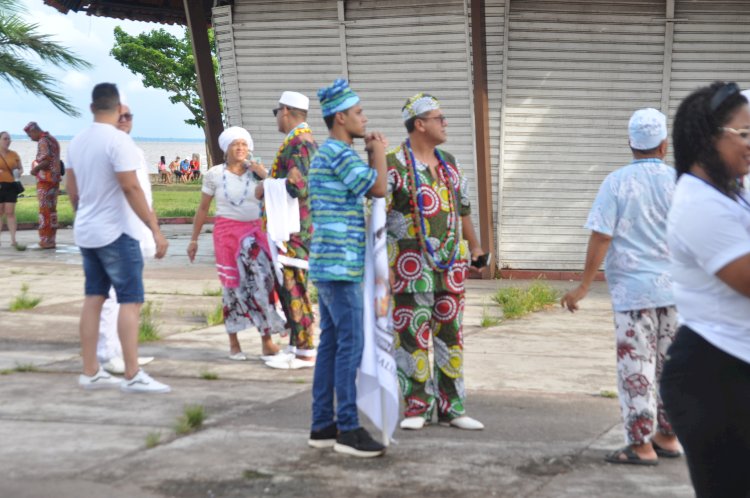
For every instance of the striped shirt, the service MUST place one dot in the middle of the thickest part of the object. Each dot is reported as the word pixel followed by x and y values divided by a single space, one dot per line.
pixel 337 183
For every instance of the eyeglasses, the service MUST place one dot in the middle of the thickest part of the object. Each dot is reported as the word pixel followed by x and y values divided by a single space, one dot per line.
pixel 125 117
pixel 744 133
pixel 442 119
pixel 276 111
pixel 722 94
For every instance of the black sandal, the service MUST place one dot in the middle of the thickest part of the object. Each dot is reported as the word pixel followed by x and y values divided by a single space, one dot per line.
pixel 631 457
pixel 663 452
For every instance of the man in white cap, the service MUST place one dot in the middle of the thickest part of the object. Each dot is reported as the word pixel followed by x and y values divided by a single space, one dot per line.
pixel 292 163
pixel 628 224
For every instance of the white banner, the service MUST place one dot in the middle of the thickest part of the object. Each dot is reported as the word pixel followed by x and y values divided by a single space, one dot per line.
pixel 377 383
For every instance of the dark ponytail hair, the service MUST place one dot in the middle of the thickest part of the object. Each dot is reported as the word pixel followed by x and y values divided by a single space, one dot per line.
pixel 697 125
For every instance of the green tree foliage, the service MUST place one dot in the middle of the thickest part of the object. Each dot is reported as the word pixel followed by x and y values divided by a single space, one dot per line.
pixel 166 62
pixel 22 48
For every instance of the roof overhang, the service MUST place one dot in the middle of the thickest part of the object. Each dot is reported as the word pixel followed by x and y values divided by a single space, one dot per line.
pixel 159 11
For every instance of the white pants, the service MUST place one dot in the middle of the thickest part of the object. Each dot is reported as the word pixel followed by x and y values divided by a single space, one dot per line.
pixel 109 345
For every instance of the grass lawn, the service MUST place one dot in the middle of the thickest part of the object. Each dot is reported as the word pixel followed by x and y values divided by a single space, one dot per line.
pixel 170 201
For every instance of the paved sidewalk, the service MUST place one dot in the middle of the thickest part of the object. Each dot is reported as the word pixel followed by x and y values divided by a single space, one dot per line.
pixel 536 383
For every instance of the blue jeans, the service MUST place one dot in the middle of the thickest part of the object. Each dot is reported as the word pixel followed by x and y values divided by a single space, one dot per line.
pixel 339 354
pixel 119 265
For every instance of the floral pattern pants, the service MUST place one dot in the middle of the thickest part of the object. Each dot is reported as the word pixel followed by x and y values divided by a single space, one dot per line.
pixel 643 337
pixel 253 302
pixel 416 318
pixel 297 307
pixel 46 193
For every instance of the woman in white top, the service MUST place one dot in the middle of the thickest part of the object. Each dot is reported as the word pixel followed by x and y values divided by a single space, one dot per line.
pixel 243 260
pixel 705 383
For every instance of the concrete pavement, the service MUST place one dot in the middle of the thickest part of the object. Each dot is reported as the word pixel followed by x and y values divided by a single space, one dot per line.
pixel 536 383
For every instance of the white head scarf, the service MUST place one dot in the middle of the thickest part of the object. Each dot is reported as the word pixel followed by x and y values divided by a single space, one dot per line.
pixel 234 133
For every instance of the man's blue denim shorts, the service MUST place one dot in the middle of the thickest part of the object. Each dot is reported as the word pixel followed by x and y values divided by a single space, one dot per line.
pixel 118 265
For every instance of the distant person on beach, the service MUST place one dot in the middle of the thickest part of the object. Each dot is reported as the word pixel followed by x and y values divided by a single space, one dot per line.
pixel 243 258
pixel 164 173
pixel 108 348
pixel 111 208
pixel 46 169
pixel 195 167
pixel 185 170
pixel 10 172
pixel 174 168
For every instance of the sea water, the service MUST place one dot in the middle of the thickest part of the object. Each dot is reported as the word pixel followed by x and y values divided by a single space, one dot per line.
pixel 153 149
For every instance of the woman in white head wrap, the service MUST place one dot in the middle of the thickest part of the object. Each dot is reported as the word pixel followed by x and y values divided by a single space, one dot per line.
pixel 242 256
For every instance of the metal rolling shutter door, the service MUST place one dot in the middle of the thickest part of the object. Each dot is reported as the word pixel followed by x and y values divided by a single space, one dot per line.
pixel 230 93
pixel 576 72
pixel 290 46
pixel 396 48
pixel 710 43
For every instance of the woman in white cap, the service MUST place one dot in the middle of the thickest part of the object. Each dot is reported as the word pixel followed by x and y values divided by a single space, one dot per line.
pixel 243 261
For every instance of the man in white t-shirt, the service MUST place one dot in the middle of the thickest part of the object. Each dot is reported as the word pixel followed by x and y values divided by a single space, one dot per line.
pixel 103 187
pixel 108 348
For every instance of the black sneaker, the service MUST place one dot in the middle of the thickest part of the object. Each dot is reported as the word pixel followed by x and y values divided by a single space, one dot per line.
pixel 324 438
pixel 358 443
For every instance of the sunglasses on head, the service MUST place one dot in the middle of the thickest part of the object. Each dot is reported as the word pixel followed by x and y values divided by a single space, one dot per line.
pixel 722 94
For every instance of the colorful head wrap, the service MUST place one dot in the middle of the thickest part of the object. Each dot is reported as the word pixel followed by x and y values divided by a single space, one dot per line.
pixel 337 97
pixel 419 104
pixel 234 133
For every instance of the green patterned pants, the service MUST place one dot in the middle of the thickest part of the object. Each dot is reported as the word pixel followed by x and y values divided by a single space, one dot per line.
pixel 417 318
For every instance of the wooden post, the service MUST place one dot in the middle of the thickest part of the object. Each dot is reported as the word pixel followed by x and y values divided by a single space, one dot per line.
pixel 204 67
pixel 482 131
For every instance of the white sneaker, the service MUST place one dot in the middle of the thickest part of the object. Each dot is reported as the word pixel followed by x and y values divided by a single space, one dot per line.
pixel 464 422
pixel 143 383
pixel 290 364
pixel 100 380
pixel 116 365
pixel 412 423
pixel 279 356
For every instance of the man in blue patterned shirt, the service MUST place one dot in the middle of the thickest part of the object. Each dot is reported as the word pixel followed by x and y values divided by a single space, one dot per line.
pixel 628 224
pixel 338 181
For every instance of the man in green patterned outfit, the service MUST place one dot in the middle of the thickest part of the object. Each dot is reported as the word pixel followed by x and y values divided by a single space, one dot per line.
pixel 428 219
pixel 292 162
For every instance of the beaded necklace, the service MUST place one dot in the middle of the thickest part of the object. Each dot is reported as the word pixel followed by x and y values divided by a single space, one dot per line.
pixel 296 131
pixel 226 191
pixel 416 200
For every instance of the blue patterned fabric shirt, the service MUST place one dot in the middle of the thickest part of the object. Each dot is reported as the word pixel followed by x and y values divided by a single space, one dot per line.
pixel 337 182
pixel 632 207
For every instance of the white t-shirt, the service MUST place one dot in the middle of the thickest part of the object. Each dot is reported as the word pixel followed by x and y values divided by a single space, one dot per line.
pixel 96 155
pixel 238 201
pixel 706 231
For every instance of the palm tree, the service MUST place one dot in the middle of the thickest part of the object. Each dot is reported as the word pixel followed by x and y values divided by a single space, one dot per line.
pixel 20 42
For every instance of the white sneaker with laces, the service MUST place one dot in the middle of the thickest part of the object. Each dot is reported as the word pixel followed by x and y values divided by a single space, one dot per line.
pixel 143 383
pixel 100 380
pixel 116 365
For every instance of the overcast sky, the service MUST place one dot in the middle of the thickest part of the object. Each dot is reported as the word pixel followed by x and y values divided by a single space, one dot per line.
pixel 92 38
